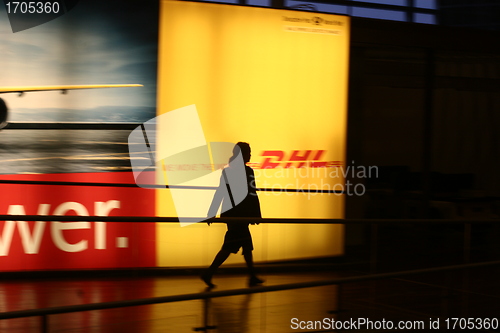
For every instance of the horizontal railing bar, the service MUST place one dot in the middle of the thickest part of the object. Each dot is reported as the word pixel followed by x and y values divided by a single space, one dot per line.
pixel 231 292
pixel 254 220
pixel 64 183
pixel 157 186
pixel 71 126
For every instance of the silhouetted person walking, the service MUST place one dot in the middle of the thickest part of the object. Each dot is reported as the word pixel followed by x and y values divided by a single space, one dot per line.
pixel 238 234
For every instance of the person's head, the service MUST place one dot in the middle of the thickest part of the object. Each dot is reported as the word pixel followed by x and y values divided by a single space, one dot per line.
pixel 244 148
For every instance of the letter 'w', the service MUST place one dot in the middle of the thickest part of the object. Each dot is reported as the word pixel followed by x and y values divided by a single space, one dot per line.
pixel 31 241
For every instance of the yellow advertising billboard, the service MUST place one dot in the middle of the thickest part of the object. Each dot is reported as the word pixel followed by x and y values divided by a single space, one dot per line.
pixel 276 79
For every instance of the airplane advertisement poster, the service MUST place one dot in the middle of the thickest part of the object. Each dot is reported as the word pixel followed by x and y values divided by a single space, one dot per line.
pixel 194 77
pixel 93 43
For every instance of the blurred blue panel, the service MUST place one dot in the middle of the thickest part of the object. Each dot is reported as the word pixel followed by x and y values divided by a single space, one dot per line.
pixel 379 14
pixel 221 1
pixel 320 7
pixel 385 2
pixel 424 18
pixel 428 4
pixel 261 3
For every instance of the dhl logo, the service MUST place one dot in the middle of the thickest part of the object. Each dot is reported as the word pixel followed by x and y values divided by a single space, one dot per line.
pixel 295 159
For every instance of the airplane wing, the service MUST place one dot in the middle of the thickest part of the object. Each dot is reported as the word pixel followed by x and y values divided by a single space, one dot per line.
pixel 64 89
pixel 20 90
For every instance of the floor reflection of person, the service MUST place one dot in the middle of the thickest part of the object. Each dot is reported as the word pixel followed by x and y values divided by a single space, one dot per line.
pixel 238 234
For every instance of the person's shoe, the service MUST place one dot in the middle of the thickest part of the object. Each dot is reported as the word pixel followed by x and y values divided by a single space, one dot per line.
pixel 255 281
pixel 207 278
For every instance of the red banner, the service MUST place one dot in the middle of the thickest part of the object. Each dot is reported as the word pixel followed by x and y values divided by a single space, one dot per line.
pixel 37 245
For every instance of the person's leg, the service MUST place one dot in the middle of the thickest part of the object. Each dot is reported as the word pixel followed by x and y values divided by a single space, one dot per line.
pixel 219 259
pixel 249 261
pixel 253 280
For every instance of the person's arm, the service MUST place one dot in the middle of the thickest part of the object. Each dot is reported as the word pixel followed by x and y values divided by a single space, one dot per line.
pixel 217 199
pixel 252 190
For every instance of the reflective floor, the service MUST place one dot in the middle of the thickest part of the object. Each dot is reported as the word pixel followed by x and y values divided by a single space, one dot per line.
pixel 410 301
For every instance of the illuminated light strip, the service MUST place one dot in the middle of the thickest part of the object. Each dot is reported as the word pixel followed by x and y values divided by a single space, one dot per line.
pixel 74 158
pixel 71 157
pixel 102 142
pixel 92 142
pixel 112 168
pixel 101 158
pixel 63 87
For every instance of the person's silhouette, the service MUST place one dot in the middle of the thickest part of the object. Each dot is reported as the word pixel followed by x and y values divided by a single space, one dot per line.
pixel 238 234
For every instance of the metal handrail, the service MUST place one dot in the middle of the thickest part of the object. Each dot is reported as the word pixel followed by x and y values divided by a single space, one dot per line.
pixel 231 292
pixel 169 219
pixel 160 186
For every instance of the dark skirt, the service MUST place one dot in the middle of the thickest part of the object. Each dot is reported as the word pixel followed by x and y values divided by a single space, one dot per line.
pixel 237 236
